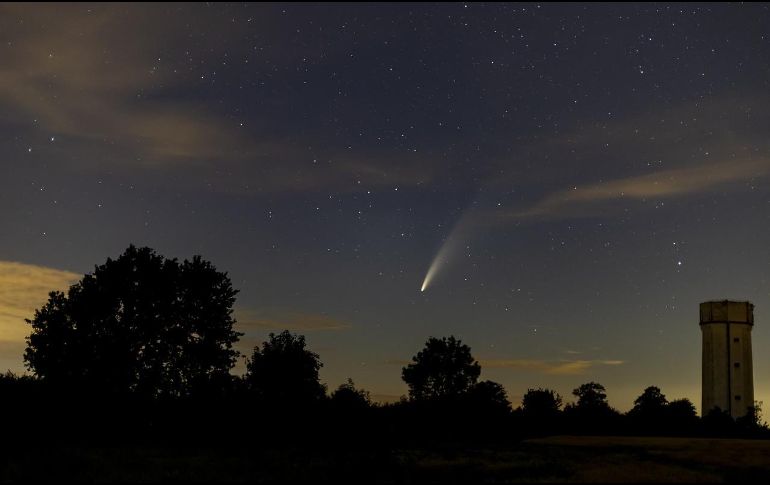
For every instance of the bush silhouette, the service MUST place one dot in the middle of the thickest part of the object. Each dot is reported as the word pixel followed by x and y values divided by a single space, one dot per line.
pixel 139 324
pixel 348 398
pixel 752 424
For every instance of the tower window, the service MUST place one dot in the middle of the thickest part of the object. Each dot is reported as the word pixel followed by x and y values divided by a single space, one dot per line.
pixel 737 398
pixel 737 364
pixel 736 339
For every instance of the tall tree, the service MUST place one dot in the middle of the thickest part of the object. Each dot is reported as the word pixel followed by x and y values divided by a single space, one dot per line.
pixel 445 368
pixel 139 324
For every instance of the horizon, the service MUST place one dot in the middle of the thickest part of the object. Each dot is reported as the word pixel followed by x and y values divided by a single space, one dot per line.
pixel 567 371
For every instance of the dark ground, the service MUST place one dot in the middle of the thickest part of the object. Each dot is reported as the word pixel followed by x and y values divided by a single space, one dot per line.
pixel 554 459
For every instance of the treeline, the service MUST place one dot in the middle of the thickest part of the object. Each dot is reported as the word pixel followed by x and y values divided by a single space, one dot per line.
pixel 141 350
pixel 280 401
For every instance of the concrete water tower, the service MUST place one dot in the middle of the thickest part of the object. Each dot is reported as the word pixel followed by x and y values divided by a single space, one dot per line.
pixel 728 381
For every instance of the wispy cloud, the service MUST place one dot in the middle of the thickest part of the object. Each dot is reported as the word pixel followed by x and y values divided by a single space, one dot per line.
pixel 586 200
pixel 559 367
pixel 112 96
pixel 23 289
pixel 251 320
pixel 88 83
pixel 694 131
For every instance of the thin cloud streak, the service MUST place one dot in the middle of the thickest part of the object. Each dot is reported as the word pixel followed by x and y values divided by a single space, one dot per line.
pixel 561 367
pixel 663 184
pixel 250 321
pixel 558 367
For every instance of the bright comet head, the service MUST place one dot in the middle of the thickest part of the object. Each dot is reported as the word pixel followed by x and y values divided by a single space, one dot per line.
pixel 431 272
pixel 452 244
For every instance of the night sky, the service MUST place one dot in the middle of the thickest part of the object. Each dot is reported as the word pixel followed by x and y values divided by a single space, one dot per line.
pixel 576 178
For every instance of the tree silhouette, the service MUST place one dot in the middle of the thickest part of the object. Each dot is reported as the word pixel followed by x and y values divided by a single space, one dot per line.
pixel 651 404
pixel 540 412
pixel 650 413
pixel 591 395
pixel 752 422
pixel 139 324
pixel 284 372
pixel 591 413
pixel 445 368
pixel 681 409
pixel 541 403
pixel 680 417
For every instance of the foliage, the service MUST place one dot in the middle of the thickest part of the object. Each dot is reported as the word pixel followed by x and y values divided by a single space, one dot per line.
pixel 444 369
pixel 541 403
pixel 592 413
pixel 139 324
pixel 682 408
pixel 12 385
pixel 682 412
pixel 143 325
pixel 653 414
pixel 347 397
pixel 284 372
pixel 591 395
pixel 718 422
pixel 650 402
pixel 752 422
pixel 540 412
pixel 488 396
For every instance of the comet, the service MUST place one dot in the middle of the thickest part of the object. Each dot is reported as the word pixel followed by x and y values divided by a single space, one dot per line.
pixel 456 240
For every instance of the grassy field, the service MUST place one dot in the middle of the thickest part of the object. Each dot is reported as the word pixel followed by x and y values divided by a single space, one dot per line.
pixel 652 459
pixel 567 459
pixel 589 459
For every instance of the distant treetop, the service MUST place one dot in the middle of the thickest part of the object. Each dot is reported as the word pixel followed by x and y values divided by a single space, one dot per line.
pixel 445 368
pixel 284 372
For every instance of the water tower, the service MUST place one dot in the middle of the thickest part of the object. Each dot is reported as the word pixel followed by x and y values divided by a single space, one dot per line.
pixel 728 381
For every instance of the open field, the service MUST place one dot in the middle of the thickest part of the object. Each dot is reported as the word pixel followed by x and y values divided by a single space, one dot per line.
pixel 556 459
pixel 653 459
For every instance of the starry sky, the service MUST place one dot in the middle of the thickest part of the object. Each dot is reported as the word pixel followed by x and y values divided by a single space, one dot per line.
pixel 577 179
